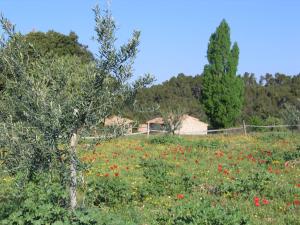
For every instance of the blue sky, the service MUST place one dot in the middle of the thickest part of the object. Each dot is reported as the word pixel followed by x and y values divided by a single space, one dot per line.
pixel 175 33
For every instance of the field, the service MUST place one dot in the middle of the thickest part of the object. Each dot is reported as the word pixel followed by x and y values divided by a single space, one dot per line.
pixel 252 179
pixel 166 180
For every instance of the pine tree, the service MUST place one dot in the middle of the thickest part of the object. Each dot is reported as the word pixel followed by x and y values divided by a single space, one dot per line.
pixel 222 91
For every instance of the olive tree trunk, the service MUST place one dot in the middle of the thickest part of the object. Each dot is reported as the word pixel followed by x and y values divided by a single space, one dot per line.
pixel 73 170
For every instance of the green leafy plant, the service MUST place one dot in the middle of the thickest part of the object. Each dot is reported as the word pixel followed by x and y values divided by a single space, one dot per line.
pixel 42 201
pixel 158 178
pixel 201 212
pixel 109 191
pixel 167 139
pixel 292 155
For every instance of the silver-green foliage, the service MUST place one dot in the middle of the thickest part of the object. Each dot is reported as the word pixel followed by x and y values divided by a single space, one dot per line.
pixel 47 102
pixel 291 115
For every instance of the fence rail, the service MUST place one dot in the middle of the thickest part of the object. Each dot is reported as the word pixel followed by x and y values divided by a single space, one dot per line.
pixel 273 126
pixel 242 129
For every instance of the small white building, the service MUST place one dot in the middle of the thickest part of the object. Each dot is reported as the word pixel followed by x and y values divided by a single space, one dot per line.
pixel 192 126
pixel 142 128
pixel 189 125
pixel 119 121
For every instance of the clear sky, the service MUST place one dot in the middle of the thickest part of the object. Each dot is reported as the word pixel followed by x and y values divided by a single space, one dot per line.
pixel 175 33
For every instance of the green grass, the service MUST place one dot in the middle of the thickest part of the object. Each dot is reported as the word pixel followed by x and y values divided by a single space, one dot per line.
pixel 195 180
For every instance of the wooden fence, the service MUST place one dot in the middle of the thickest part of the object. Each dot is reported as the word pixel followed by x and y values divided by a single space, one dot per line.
pixel 243 129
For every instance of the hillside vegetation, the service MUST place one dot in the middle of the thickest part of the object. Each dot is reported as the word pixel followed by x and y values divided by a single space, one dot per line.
pixel 273 98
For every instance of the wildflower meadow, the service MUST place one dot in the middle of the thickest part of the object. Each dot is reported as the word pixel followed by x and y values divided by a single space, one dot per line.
pixel 252 179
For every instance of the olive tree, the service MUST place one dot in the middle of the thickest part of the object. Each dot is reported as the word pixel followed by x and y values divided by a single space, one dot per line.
pixel 172 117
pixel 47 103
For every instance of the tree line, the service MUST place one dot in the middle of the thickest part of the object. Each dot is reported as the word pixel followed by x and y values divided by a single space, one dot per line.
pixel 267 100
pixel 217 96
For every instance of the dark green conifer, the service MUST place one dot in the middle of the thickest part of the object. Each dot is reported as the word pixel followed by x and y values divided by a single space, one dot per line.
pixel 222 91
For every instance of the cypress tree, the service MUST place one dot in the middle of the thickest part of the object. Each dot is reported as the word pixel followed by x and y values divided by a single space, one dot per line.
pixel 222 91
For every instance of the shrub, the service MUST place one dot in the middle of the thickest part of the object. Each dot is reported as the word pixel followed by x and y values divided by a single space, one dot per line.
pixel 200 212
pixel 256 182
pixel 41 202
pixel 271 137
pixel 274 121
pixel 109 191
pixel 292 155
pixel 158 179
pixel 167 139
pixel 215 144
pixel 257 121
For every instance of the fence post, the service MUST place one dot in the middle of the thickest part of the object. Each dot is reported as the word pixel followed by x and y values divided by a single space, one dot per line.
pixel 245 128
pixel 148 129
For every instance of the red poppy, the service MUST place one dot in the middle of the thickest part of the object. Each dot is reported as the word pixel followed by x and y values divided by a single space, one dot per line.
pixel 219 154
pixel 296 202
pixel 113 167
pixel 270 169
pixel 256 201
pixel 117 174
pixel 106 175
pixel 277 171
pixel 220 168
pixel 180 196
pixel 265 202
pixel 297 185
pixel 226 172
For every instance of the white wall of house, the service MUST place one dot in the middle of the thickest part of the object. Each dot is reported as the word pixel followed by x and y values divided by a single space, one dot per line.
pixel 192 126
pixel 143 127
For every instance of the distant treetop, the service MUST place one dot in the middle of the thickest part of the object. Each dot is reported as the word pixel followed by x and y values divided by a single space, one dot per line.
pixel 58 44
